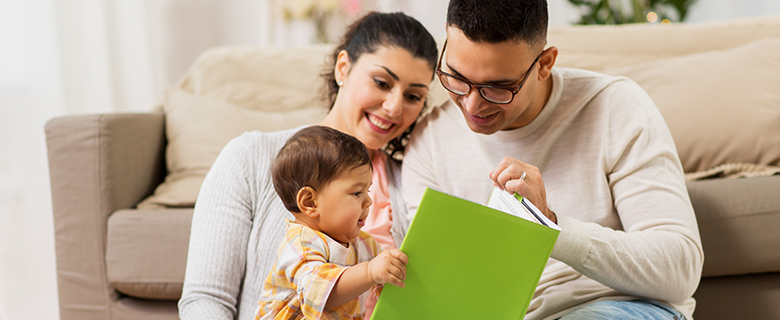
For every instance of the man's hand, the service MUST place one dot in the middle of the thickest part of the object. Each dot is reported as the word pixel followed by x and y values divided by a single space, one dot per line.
pixel 388 267
pixel 513 175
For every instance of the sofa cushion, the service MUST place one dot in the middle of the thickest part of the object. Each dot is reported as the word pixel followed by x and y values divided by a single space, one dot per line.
pixel 720 106
pixel 733 215
pixel 738 297
pixel 146 252
pixel 127 308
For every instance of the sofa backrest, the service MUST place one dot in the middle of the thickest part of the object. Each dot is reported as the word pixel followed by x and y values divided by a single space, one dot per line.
pixel 229 90
pixel 599 48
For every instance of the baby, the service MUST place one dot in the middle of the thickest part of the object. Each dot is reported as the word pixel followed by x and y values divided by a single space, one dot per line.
pixel 326 264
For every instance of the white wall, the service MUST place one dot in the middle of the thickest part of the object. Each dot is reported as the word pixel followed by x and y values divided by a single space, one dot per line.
pixel 62 57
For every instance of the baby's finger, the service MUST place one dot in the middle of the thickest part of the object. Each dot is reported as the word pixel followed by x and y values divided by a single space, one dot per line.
pixel 396 281
pixel 400 255
pixel 395 268
pixel 399 272
pixel 403 273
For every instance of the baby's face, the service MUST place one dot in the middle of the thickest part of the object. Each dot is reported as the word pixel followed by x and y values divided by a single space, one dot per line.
pixel 343 204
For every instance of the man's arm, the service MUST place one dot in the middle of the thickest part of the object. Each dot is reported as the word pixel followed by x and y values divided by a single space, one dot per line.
pixel 658 253
pixel 638 262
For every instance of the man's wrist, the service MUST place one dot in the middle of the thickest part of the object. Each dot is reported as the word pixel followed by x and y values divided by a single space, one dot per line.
pixel 552 216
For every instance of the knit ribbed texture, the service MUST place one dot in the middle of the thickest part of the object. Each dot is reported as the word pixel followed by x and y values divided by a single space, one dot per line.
pixel 237 226
pixel 611 174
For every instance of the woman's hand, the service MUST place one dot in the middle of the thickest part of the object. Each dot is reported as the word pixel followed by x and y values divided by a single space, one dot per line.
pixel 513 175
pixel 389 267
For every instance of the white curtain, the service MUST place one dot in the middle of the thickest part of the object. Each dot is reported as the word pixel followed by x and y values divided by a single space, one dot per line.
pixel 30 92
pixel 60 57
pixel 85 56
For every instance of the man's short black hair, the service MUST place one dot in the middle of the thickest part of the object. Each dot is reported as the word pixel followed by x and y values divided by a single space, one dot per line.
pixel 495 21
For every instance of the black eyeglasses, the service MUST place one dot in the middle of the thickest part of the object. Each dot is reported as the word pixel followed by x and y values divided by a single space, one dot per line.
pixel 492 93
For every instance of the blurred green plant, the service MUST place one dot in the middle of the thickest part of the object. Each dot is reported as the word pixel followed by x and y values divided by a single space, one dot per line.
pixel 631 11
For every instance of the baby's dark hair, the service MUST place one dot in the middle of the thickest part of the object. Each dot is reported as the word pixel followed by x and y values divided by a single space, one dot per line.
pixel 314 157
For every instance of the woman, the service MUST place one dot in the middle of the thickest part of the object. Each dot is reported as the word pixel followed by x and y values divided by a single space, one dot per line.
pixel 377 86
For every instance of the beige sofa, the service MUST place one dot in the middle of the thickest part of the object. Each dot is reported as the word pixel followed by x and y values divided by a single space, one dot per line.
pixel 121 254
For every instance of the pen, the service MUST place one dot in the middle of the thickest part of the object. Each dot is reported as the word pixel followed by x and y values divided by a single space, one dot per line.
pixel 520 198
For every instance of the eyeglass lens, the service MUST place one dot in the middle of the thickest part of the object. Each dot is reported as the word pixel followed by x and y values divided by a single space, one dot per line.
pixel 495 95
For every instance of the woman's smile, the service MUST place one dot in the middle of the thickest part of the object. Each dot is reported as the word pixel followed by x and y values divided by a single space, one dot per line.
pixel 378 123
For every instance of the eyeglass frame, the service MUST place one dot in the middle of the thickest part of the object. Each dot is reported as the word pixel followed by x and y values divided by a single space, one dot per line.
pixel 514 90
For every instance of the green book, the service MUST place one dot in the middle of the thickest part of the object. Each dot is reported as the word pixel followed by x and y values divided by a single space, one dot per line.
pixel 469 261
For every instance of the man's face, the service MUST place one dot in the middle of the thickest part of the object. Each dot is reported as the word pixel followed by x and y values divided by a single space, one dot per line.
pixel 502 64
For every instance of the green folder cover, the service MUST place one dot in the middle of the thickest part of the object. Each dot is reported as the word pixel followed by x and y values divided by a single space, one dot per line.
pixel 467 261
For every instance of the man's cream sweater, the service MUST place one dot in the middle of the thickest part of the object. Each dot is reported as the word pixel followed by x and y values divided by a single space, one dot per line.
pixel 612 176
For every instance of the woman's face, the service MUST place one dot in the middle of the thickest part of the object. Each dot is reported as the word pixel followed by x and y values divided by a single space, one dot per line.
pixel 381 95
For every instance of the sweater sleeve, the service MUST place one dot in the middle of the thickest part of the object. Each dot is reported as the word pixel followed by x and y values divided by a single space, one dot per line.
pixel 658 253
pixel 221 225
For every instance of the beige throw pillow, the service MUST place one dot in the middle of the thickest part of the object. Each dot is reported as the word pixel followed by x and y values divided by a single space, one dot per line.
pixel 721 106
pixel 226 92
pixel 197 129
pixel 275 79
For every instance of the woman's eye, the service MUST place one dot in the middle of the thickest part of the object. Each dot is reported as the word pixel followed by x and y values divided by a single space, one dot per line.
pixel 381 84
pixel 414 97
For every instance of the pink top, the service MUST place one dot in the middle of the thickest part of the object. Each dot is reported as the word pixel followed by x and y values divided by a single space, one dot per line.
pixel 380 214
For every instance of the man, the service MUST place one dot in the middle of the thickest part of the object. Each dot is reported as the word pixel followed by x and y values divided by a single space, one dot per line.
pixel 589 150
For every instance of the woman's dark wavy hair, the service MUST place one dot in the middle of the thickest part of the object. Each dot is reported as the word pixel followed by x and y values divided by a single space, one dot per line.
pixel 372 32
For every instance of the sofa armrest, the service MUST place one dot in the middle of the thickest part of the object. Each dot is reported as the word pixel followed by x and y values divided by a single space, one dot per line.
pixel 738 221
pixel 97 164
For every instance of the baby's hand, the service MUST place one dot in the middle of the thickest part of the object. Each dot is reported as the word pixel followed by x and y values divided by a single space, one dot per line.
pixel 389 267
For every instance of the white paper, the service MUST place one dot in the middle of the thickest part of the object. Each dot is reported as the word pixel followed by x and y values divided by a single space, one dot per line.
pixel 503 201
